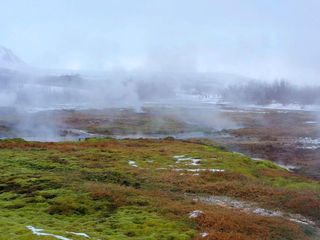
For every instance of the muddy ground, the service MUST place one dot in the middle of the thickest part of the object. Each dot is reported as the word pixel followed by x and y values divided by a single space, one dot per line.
pixel 287 137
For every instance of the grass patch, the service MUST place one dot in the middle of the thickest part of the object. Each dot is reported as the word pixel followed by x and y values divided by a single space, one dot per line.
pixel 91 187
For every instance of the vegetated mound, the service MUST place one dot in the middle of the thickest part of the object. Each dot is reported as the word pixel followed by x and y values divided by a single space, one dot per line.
pixel 149 189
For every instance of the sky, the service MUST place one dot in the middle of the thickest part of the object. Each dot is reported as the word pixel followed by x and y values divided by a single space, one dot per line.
pixel 263 39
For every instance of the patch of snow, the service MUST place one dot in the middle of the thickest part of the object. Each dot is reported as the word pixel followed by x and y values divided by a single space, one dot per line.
pixel 309 143
pixel 248 207
pixel 195 214
pixel 288 107
pixel 301 220
pixel 80 234
pixel 267 213
pixel 132 163
pixel 181 158
pixel 251 110
pixel 39 232
pixel 287 166
pixel 198 169
pixel 204 234
pixel 195 170
pixel 311 122
pixel 239 153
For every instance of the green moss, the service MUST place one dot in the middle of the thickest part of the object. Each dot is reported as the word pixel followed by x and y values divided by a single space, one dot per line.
pixel 90 187
pixel 135 223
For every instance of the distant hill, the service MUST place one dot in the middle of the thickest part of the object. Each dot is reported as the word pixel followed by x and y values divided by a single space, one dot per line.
pixel 8 60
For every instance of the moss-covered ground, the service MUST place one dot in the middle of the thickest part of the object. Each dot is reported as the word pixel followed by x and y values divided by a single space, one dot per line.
pixel 136 189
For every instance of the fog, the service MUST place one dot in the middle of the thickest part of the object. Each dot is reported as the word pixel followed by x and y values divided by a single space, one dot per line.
pixel 263 93
pixel 265 40
pixel 124 54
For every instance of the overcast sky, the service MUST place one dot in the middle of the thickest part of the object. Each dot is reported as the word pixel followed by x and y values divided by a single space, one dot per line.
pixel 263 38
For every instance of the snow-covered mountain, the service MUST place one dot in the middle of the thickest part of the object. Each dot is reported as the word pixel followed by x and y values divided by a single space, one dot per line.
pixel 8 60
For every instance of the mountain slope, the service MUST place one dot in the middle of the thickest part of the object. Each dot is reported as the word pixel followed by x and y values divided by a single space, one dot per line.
pixel 9 60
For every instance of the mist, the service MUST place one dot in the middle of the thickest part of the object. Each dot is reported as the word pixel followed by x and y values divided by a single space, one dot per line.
pixel 264 93
pixel 261 40
pixel 153 119
pixel 131 55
